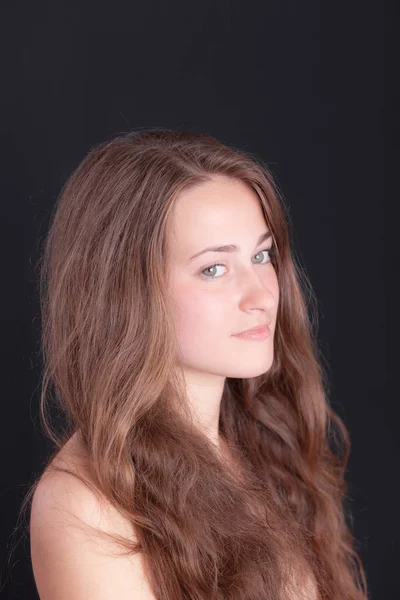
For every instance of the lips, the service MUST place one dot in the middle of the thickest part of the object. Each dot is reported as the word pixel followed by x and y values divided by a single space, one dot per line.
pixel 262 327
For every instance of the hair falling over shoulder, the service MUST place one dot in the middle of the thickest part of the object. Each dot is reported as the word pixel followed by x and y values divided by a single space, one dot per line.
pixel 110 357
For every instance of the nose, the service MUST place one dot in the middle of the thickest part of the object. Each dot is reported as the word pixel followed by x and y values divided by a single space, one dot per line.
pixel 256 291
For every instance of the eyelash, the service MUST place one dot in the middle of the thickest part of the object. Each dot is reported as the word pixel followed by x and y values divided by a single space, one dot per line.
pixel 271 251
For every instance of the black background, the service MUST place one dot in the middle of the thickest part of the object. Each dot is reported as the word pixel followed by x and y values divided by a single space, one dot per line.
pixel 299 84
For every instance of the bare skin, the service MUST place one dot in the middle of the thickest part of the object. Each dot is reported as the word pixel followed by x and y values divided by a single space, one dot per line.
pixel 67 561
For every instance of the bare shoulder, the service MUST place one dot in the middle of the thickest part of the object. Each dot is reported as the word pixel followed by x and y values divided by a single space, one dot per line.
pixel 68 559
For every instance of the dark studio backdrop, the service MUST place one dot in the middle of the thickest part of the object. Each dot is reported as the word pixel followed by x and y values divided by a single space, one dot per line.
pixel 297 83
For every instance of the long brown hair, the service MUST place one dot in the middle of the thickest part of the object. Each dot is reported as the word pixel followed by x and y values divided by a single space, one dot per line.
pixel 110 356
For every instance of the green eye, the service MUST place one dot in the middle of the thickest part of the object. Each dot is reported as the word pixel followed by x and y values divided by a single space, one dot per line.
pixel 271 254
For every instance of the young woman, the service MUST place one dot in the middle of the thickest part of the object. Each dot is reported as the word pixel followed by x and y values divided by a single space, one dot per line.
pixel 197 463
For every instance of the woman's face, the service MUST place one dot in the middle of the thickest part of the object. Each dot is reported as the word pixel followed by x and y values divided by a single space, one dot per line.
pixel 210 304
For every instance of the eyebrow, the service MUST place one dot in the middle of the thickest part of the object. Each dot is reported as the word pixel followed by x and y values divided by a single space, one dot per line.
pixel 229 247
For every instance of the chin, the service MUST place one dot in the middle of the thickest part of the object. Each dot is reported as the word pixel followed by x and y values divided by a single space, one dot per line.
pixel 247 370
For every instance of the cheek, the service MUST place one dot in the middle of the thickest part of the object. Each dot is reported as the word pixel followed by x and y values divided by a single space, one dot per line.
pixel 274 287
pixel 271 282
pixel 196 309
pixel 200 315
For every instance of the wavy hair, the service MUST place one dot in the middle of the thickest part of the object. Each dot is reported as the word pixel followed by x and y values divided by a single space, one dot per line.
pixel 258 532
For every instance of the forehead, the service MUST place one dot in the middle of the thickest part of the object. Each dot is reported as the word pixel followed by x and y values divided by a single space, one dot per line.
pixel 220 211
